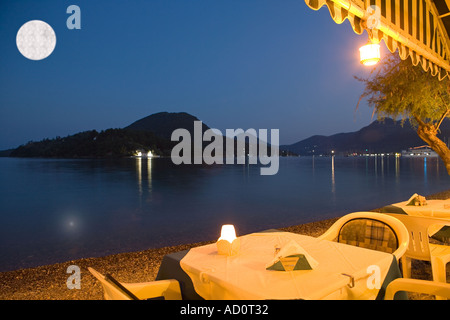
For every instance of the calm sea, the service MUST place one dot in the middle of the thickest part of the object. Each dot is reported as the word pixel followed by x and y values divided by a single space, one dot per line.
pixel 58 210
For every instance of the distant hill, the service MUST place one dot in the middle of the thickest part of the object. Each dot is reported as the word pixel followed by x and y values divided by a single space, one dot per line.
pixel 150 133
pixel 6 153
pixel 154 133
pixel 163 124
pixel 93 144
pixel 378 137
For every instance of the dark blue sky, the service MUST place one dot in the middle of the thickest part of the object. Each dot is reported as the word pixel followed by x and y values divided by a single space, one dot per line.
pixel 262 64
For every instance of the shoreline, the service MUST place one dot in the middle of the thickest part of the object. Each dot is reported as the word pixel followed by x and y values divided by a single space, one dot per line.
pixel 48 282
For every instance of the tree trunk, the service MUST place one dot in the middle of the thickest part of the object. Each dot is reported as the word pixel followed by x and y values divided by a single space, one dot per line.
pixel 428 133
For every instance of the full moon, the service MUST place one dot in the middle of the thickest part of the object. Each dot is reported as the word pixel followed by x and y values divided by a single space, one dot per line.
pixel 36 40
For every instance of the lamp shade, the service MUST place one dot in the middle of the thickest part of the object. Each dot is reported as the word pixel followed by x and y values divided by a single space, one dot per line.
pixel 228 244
pixel 369 54
pixel 228 233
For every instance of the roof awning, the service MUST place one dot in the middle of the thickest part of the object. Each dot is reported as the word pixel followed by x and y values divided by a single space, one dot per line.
pixel 419 29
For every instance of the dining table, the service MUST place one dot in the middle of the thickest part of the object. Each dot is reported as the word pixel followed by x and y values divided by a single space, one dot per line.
pixel 336 271
pixel 430 208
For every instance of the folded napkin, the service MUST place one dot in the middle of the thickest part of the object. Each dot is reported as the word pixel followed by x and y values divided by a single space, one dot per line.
pixel 416 200
pixel 292 257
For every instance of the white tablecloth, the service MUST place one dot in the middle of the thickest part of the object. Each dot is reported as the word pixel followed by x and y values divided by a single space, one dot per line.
pixel 244 276
pixel 433 208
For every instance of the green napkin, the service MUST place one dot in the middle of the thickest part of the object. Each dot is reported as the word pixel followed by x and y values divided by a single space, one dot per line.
pixel 416 200
pixel 292 257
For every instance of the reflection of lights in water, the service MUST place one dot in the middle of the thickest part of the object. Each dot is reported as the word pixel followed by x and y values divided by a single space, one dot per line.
pixel 149 173
pixel 71 223
pixel 397 166
pixel 333 182
pixel 437 166
pixel 139 173
pixel 376 164
pixel 425 169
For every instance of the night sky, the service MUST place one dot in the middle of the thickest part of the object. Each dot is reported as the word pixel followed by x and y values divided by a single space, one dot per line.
pixel 262 64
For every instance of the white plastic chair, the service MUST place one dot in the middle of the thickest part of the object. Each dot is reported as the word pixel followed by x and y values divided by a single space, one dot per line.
pixel 398 228
pixel 439 289
pixel 420 248
pixel 113 290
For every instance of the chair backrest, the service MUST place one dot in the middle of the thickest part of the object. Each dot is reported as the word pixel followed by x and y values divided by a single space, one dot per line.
pixel 370 234
pixel 419 232
pixel 112 289
pixel 370 230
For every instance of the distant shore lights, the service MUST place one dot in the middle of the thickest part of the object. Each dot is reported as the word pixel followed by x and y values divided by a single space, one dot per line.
pixel 143 154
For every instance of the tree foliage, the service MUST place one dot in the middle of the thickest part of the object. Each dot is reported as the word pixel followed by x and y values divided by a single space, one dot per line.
pixel 398 89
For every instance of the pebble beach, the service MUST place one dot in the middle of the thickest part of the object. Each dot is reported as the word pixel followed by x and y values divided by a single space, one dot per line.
pixel 49 282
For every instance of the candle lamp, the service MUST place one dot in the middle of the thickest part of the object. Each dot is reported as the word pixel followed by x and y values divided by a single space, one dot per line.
pixel 228 244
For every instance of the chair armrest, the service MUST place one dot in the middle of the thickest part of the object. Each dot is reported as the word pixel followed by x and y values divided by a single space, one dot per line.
pixel 441 289
pixel 331 234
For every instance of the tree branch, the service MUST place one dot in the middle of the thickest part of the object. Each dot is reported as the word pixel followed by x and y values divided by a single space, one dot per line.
pixel 445 113
pixel 419 121
pixel 442 118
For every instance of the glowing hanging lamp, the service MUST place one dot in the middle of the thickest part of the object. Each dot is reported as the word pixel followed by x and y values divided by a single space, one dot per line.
pixel 369 54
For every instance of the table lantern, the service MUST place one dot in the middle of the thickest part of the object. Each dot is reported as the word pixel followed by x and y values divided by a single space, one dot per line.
pixel 228 244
